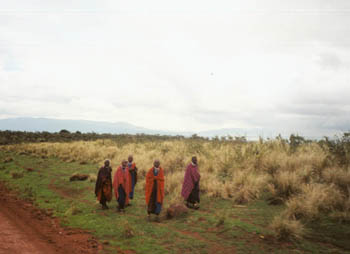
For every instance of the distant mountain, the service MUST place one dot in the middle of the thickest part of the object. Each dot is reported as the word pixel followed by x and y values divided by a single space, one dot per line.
pixel 55 125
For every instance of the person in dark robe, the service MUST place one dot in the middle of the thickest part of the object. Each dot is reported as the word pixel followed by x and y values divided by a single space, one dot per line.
pixel 103 187
pixel 190 187
pixel 154 190
pixel 133 176
pixel 121 186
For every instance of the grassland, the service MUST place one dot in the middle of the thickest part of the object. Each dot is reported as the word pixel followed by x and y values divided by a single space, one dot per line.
pixel 240 182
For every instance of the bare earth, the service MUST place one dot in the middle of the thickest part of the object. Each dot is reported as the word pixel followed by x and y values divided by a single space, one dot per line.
pixel 26 229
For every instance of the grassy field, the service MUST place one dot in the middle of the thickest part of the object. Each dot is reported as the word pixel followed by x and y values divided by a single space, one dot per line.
pixel 235 223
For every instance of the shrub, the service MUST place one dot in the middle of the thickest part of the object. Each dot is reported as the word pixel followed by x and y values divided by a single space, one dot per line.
pixel 314 200
pixel 287 229
pixel 286 184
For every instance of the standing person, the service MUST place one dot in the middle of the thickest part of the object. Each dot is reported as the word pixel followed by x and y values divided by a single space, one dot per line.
pixel 133 175
pixel 190 187
pixel 103 187
pixel 154 189
pixel 121 185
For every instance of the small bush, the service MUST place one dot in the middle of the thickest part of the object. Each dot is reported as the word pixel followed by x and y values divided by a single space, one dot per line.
pixel 286 184
pixel 314 200
pixel 339 177
pixel 287 229
pixel 248 186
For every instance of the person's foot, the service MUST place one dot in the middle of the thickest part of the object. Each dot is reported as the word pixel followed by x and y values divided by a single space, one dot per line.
pixel 157 219
pixel 196 206
pixel 104 207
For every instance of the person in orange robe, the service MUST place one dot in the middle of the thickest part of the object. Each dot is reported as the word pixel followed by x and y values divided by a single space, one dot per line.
pixel 154 189
pixel 121 185
pixel 133 175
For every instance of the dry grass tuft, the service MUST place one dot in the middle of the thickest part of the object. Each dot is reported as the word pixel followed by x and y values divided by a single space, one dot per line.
pixel 339 177
pixel 247 186
pixel 286 183
pixel 287 229
pixel 314 200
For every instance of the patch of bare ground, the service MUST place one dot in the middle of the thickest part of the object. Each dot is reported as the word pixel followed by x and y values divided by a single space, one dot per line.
pixel 27 229
pixel 69 193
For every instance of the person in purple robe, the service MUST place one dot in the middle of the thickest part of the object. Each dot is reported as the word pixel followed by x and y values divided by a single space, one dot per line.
pixel 190 187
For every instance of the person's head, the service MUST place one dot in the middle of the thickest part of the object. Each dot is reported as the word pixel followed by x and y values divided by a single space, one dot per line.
pixel 130 158
pixel 194 160
pixel 124 163
pixel 156 163
pixel 107 163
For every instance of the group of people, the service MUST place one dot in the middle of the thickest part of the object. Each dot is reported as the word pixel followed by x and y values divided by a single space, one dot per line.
pixel 125 179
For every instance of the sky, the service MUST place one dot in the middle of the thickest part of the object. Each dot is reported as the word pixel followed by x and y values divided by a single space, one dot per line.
pixel 278 66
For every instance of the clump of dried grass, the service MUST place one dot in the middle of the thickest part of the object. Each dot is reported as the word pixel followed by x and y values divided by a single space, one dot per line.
pixel 286 183
pixel 314 200
pixel 287 229
pixel 339 177
pixel 247 186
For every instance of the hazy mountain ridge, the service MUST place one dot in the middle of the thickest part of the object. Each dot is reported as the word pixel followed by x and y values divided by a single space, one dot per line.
pixel 55 125
pixel 85 126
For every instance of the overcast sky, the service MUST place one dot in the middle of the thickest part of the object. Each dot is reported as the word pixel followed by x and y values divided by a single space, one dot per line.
pixel 281 66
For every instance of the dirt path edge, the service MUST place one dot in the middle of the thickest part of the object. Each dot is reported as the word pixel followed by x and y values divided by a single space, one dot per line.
pixel 43 231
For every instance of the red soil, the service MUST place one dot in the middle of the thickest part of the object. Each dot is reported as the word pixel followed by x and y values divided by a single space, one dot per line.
pixel 26 229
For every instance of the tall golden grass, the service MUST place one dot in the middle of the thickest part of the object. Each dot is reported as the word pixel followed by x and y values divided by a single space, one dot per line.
pixel 306 179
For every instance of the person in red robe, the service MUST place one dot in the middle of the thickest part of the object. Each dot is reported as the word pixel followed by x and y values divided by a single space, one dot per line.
pixel 190 187
pixel 103 187
pixel 121 186
pixel 133 176
pixel 154 189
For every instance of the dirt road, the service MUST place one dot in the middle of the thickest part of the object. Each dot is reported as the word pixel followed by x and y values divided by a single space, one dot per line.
pixel 26 229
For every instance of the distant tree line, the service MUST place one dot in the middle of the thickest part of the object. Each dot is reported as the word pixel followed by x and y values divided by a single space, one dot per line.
pixel 15 137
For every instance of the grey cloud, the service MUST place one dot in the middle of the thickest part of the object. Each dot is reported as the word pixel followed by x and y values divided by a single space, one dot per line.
pixel 330 61
pixel 43 99
pixel 338 124
pixel 314 110
pixel 211 116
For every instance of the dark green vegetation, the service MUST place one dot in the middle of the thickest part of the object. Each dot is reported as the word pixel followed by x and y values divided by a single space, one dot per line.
pixel 218 227
pixel 15 137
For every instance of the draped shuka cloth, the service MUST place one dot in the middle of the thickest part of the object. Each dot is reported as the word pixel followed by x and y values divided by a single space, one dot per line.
pixel 121 186
pixel 154 190
pixel 103 187
pixel 191 181
pixel 132 179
